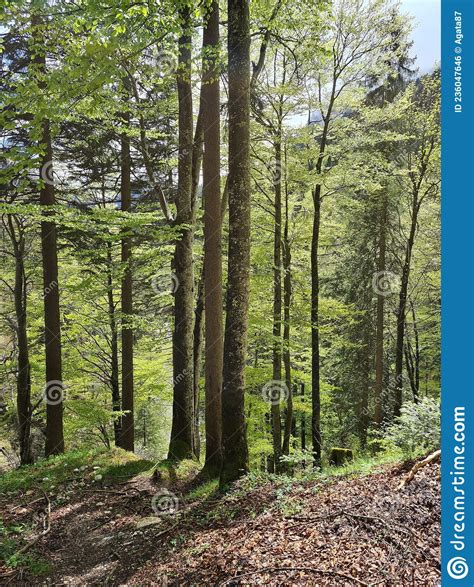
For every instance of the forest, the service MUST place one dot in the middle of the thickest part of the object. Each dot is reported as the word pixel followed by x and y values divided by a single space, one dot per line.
pixel 220 294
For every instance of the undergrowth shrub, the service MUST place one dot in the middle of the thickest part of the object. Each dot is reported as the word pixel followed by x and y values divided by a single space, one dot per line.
pixel 416 431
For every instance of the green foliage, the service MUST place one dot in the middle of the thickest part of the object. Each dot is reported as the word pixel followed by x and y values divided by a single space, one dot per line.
pixel 416 431
pixel 376 140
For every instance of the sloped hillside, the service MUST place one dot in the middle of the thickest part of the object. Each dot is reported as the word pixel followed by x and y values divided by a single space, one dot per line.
pixel 101 527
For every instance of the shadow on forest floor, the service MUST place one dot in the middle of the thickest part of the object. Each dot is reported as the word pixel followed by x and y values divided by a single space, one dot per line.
pixel 119 524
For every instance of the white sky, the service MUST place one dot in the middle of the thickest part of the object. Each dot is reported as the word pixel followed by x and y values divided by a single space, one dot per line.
pixel 426 33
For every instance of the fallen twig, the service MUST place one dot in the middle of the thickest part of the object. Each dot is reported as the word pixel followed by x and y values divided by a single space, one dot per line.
pixel 45 531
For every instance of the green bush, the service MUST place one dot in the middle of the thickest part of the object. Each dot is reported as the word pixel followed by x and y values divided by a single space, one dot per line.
pixel 416 431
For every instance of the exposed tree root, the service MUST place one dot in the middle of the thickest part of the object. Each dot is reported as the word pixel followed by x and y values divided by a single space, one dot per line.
pixel 432 458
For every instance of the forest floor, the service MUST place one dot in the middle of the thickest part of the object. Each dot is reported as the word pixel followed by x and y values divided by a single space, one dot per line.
pixel 89 520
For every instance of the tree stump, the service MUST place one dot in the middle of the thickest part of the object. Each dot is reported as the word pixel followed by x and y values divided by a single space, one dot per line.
pixel 339 456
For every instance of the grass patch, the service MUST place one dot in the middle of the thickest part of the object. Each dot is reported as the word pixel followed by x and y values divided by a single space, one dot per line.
pixel 359 467
pixel 87 465
pixel 177 471
pixel 204 491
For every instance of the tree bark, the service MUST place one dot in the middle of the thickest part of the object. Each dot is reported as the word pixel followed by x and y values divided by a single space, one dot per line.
pixel 303 421
pixel 182 430
pixel 127 440
pixel 289 420
pixel 198 339
pixel 365 362
pixel 23 398
pixel 379 336
pixel 114 357
pixel 235 450
pixel 315 360
pixel 315 366
pixel 277 306
pixel 212 244
pixel 54 389
pixel 412 358
pixel 402 306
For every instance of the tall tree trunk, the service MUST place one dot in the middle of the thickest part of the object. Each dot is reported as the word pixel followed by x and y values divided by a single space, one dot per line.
pixel 198 334
pixel 114 358
pixel 23 398
pixel 182 430
pixel 127 441
pixel 402 306
pixel 303 421
pixel 52 320
pixel 412 358
pixel 212 244
pixel 379 336
pixel 198 339
pixel 54 389
pixel 277 305
pixel 363 415
pixel 315 366
pixel 289 420
pixel 315 355
pixel 234 436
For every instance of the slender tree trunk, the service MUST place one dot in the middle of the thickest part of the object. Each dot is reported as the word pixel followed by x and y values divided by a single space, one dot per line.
pixel 303 422
pixel 23 377
pixel 315 366
pixel 54 389
pixel 277 305
pixel 182 430
pixel 379 336
pixel 198 340
pixel 52 321
pixel 235 450
pixel 315 360
pixel 289 420
pixel 212 244
pixel 416 388
pixel 127 441
pixel 198 334
pixel 402 306
pixel 114 358
pixel 363 415
pixel 197 151
pixel 412 358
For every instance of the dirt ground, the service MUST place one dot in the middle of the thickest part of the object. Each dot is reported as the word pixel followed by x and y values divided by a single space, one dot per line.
pixel 337 532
